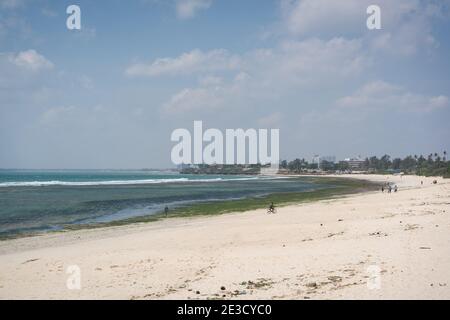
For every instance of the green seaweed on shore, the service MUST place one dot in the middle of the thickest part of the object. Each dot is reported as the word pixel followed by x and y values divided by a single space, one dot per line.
pixel 335 187
pixel 327 188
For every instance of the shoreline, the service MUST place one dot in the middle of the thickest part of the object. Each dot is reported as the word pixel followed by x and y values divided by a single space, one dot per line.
pixel 158 221
pixel 317 250
pixel 339 186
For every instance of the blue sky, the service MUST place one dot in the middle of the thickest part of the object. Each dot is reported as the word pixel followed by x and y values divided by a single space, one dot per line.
pixel 109 95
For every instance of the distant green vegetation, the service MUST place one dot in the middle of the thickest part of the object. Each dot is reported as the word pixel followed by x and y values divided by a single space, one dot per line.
pixel 432 165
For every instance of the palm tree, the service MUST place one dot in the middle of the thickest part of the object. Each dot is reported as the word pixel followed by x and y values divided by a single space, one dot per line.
pixel 430 160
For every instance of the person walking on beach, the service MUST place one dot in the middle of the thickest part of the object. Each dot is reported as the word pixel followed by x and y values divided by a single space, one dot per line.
pixel 166 211
pixel 382 189
pixel 390 189
pixel 395 188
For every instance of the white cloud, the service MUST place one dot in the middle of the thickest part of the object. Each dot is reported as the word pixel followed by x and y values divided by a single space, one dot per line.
pixel 211 96
pixel 187 9
pixel 299 64
pixel 299 61
pixel 313 16
pixel 304 63
pixel 380 95
pixel 405 38
pixel 31 60
pixel 438 102
pixel 367 95
pixel 312 57
pixel 187 63
pixel 189 100
pixel 406 24
pixel 261 75
pixel 22 71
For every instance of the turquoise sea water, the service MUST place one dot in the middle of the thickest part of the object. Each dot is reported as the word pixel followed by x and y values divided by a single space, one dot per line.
pixel 36 201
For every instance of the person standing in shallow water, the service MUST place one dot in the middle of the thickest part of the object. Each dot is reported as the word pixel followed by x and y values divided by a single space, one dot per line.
pixel 166 211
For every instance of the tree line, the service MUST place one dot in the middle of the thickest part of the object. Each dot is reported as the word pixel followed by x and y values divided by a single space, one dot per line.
pixel 434 164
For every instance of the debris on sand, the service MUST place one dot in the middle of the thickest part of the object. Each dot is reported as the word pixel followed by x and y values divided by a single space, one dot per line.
pixel 312 285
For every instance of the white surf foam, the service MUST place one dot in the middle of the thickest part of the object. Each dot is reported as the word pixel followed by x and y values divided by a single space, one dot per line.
pixel 117 182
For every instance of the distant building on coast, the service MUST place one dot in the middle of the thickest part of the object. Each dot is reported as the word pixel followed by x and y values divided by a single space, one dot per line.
pixel 355 163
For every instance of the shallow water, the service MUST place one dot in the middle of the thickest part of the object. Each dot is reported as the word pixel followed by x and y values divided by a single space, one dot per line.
pixel 35 201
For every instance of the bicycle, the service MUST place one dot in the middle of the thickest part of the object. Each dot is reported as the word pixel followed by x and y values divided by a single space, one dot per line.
pixel 271 210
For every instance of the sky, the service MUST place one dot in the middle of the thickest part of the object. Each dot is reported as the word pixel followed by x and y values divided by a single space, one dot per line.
pixel 110 94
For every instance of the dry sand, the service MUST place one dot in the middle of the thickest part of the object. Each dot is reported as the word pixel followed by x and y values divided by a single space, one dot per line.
pixel 372 245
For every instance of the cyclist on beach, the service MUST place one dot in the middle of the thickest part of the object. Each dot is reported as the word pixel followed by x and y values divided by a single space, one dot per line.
pixel 271 208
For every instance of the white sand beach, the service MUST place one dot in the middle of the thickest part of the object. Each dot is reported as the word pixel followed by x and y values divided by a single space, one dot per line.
pixel 367 246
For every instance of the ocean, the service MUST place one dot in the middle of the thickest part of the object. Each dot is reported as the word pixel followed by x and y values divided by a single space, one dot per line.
pixel 37 201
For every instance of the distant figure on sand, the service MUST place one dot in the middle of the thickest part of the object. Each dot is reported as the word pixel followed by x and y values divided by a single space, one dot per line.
pixel 166 210
pixel 382 189
pixel 395 188
pixel 390 189
pixel 271 208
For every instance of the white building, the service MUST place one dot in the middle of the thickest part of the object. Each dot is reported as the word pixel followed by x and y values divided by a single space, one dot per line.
pixel 355 163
